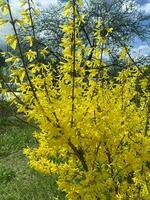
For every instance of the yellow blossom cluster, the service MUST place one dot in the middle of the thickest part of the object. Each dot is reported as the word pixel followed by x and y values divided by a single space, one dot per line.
pixel 93 131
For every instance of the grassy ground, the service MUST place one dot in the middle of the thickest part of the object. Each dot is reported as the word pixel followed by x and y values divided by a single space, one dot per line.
pixel 17 180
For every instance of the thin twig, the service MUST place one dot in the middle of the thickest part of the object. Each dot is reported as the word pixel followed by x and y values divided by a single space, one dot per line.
pixel 20 50
pixel 74 61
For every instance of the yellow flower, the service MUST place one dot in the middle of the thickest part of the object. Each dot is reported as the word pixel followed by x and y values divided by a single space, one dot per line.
pixel 30 40
pixel 44 52
pixel 31 55
pixel 11 40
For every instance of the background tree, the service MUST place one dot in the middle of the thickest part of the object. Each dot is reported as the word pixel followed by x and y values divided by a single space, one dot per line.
pixel 127 21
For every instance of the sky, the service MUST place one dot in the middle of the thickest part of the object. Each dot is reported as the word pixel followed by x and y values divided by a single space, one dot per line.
pixel 145 5
pixel 140 48
pixel 42 3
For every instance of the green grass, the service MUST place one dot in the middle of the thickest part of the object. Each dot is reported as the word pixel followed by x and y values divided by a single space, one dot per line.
pixel 17 180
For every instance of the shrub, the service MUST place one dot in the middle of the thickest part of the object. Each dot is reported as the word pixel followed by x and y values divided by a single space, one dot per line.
pixel 93 134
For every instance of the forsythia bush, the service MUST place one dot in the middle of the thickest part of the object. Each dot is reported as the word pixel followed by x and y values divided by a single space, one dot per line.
pixel 93 130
